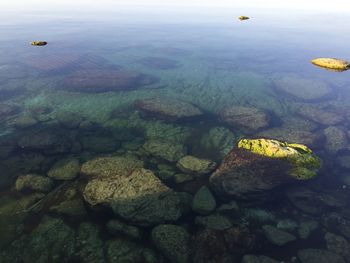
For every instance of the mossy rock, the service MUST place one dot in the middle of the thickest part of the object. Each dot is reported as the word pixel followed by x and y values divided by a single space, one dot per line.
pixel 305 164
pixel 331 63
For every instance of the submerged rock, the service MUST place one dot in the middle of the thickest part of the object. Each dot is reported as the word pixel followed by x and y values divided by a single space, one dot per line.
pixel 336 139
pixel 320 115
pixel 339 245
pixel 173 241
pixel 304 89
pixel 34 182
pixel 218 140
pixel 51 241
pixel 203 201
pixel 259 165
pixel 306 228
pixel 331 63
pixel 117 227
pixel 277 236
pixel 134 194
pixel 7 110
pixel 159 63
pixel 247 119
pixel 106 80
pixel 119 250
pixel 214 221
pixel 66 169
pixel 313 255
pixel 193 165
pixel 165 150
pixel 24 121
pixel 167 108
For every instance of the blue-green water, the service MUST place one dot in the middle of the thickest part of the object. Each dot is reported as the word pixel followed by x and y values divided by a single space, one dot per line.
pixel 75 114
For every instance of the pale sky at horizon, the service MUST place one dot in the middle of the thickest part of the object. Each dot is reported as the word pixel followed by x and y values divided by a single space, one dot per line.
pixel 325 5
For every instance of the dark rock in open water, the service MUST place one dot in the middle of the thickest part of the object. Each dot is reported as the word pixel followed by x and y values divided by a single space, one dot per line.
pixel 167 108
pixel 106 80
pixel 160 63
pixel 247 119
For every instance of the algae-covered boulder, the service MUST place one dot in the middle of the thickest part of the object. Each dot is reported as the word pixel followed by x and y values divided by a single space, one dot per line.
pixel 167 108
pixel 203 201
pixel 247 119
pixel 258 165
pixel 165 150
pixel 331 63
pixel 193 165
pixel 302 88
pixel 173 242
pixel 34 182
pixel 134 194
pixel 65 169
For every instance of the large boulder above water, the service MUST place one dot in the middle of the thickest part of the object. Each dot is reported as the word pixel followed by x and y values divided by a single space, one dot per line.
pixel 331 63
pixel 106 80
pixel 258 165
pixel 167 108
pixel 134 194
pixel 301 88
pixel 247 119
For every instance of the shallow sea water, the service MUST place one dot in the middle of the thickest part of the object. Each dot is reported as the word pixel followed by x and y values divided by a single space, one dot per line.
pixel 82 98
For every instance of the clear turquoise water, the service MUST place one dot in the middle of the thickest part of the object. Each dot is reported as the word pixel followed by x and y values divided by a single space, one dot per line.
pixel 215 61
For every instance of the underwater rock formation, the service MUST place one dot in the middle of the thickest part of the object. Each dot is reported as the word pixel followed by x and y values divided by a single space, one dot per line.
pixel 313 255
pixel 258 165
pixel 302 88
pixel 277 236
pixel 336 139
pixel 331 63
pixel 247 119
pixel 134 194
pixel 159 63
pixel 167 108
pixel 193 165
pixel 173 241
pixel 320 115
pixel 165 150
pixel 65 169
pixel 96 81
pixel 34 182
pixel 203 201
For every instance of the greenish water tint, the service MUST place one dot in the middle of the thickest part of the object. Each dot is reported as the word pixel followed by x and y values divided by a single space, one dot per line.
pixel 100 117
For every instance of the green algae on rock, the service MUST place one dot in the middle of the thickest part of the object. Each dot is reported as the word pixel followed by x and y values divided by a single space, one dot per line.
pixel 203 201
pixel 256 166
pixel 304 162
pixel 65 169
pixel 331 63
pixel 165 150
